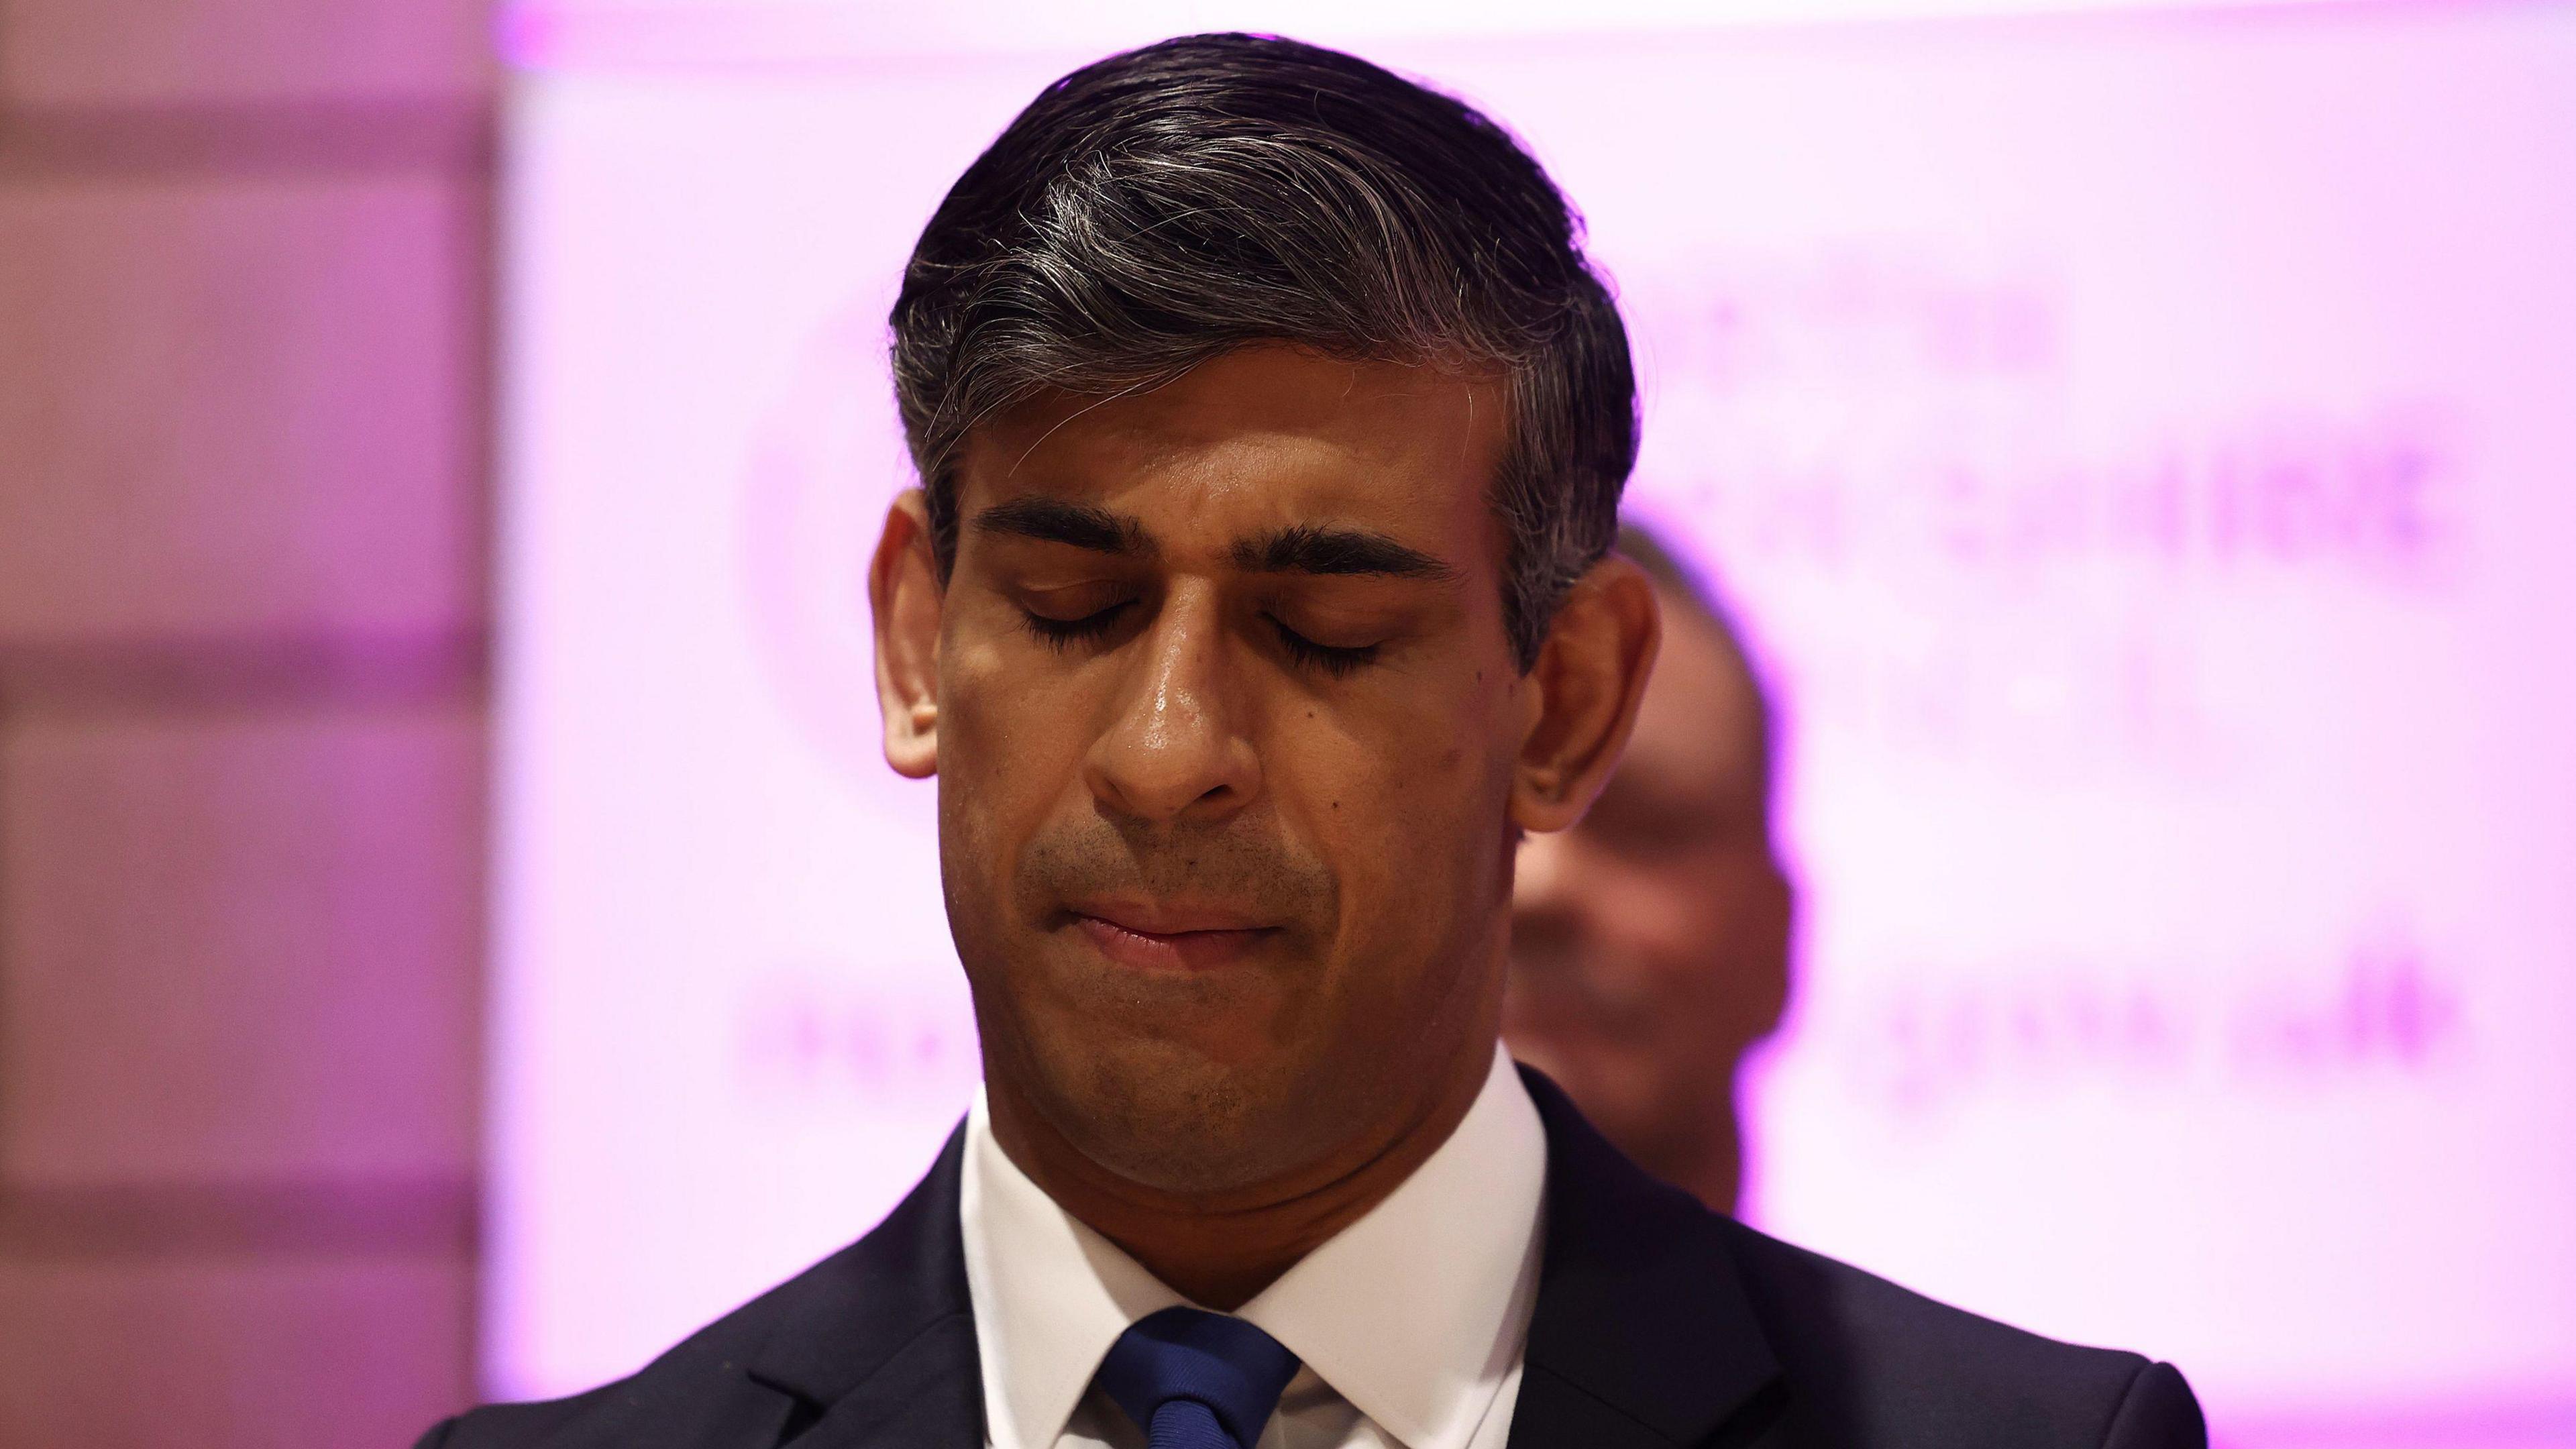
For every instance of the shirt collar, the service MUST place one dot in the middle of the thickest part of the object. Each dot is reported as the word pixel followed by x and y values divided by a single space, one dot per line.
pixel 1415 1313
pixel 1050 1295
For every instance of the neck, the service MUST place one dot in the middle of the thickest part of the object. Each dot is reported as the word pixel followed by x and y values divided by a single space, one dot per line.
pixel 1220 1251
pixel 1705 1158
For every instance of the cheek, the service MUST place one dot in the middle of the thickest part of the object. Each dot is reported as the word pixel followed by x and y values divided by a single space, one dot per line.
pixel 1673 906
pixel 1007 749
pixel 1410 812
pixel 1679 923
pixel 1674 917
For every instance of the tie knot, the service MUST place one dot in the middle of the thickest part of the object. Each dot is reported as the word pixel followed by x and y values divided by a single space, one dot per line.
pixel 1167 1362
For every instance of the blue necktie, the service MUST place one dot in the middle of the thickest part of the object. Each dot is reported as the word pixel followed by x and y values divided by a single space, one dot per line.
pixel 1196 1380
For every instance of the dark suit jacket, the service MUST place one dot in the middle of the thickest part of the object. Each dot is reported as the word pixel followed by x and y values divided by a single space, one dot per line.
pixel 1658 1323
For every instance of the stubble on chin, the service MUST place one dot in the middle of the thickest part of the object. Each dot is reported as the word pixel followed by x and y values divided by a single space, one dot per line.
pixel 1173 1124
pixel 1180 1086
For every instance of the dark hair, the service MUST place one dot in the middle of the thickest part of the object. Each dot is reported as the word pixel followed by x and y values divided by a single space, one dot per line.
pixel 1162 207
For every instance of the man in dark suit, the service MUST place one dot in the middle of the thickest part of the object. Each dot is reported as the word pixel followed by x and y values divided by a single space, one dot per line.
pixel 1257 599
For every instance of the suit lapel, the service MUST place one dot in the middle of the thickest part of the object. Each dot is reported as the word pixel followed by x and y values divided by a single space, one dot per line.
pixel 878 1350
pixel 1642 1334
pixel 1641 1338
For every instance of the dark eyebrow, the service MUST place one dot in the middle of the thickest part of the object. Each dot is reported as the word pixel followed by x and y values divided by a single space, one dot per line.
pixel 1052 520
pixel 1308 548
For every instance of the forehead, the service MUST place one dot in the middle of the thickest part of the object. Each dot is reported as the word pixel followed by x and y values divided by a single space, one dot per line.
pixel 1700 726
pixel 1261 437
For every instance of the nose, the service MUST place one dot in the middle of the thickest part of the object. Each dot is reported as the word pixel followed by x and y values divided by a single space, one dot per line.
pixel 1175 750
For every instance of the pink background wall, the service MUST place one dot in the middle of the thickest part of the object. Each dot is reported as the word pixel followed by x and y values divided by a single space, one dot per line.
pixel 243 304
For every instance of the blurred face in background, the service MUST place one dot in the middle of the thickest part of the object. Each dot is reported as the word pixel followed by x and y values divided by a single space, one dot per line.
pixel 1651 942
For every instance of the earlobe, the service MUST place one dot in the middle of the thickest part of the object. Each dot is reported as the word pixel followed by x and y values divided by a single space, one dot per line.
pixel 1590 675
pixel 904 600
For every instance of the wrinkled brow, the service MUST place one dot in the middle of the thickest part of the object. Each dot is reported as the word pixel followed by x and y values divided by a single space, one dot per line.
pixel 1052 520
pixel 1308 548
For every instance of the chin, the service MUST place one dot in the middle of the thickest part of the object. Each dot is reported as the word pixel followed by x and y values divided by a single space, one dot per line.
pixel 1568 1069
pixel 1168 1116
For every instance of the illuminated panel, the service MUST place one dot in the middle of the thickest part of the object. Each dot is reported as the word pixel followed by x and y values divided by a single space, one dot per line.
pixel 2144 450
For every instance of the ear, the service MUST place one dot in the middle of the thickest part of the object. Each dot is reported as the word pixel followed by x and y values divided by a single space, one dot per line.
pixel 1591 671
pixel 1764 940
pixel 904 597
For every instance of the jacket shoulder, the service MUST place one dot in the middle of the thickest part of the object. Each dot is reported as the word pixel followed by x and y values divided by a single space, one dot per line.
pixel 1869 1363
pixel 880 1331
pixel 703 1376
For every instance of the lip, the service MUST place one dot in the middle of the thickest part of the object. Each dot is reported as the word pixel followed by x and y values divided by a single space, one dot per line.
pixel 1149 936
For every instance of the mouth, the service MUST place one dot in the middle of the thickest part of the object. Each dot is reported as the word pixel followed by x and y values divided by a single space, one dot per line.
pixel 1157 938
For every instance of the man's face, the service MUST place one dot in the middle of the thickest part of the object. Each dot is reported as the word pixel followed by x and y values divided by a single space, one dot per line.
pixel 1226 730
pixel 1651 941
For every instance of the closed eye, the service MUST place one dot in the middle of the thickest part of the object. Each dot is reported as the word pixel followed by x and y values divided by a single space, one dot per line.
pixel 1333 659
pixel 1063 634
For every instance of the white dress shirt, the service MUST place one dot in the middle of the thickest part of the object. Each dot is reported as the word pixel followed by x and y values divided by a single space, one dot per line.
pixel 1409 1322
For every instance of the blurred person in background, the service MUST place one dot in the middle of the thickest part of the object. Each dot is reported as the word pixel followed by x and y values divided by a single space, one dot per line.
pixel 1650 943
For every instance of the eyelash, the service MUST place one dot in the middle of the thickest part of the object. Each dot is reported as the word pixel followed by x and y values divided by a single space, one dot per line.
pixel 1062 634
pixel 1336 661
